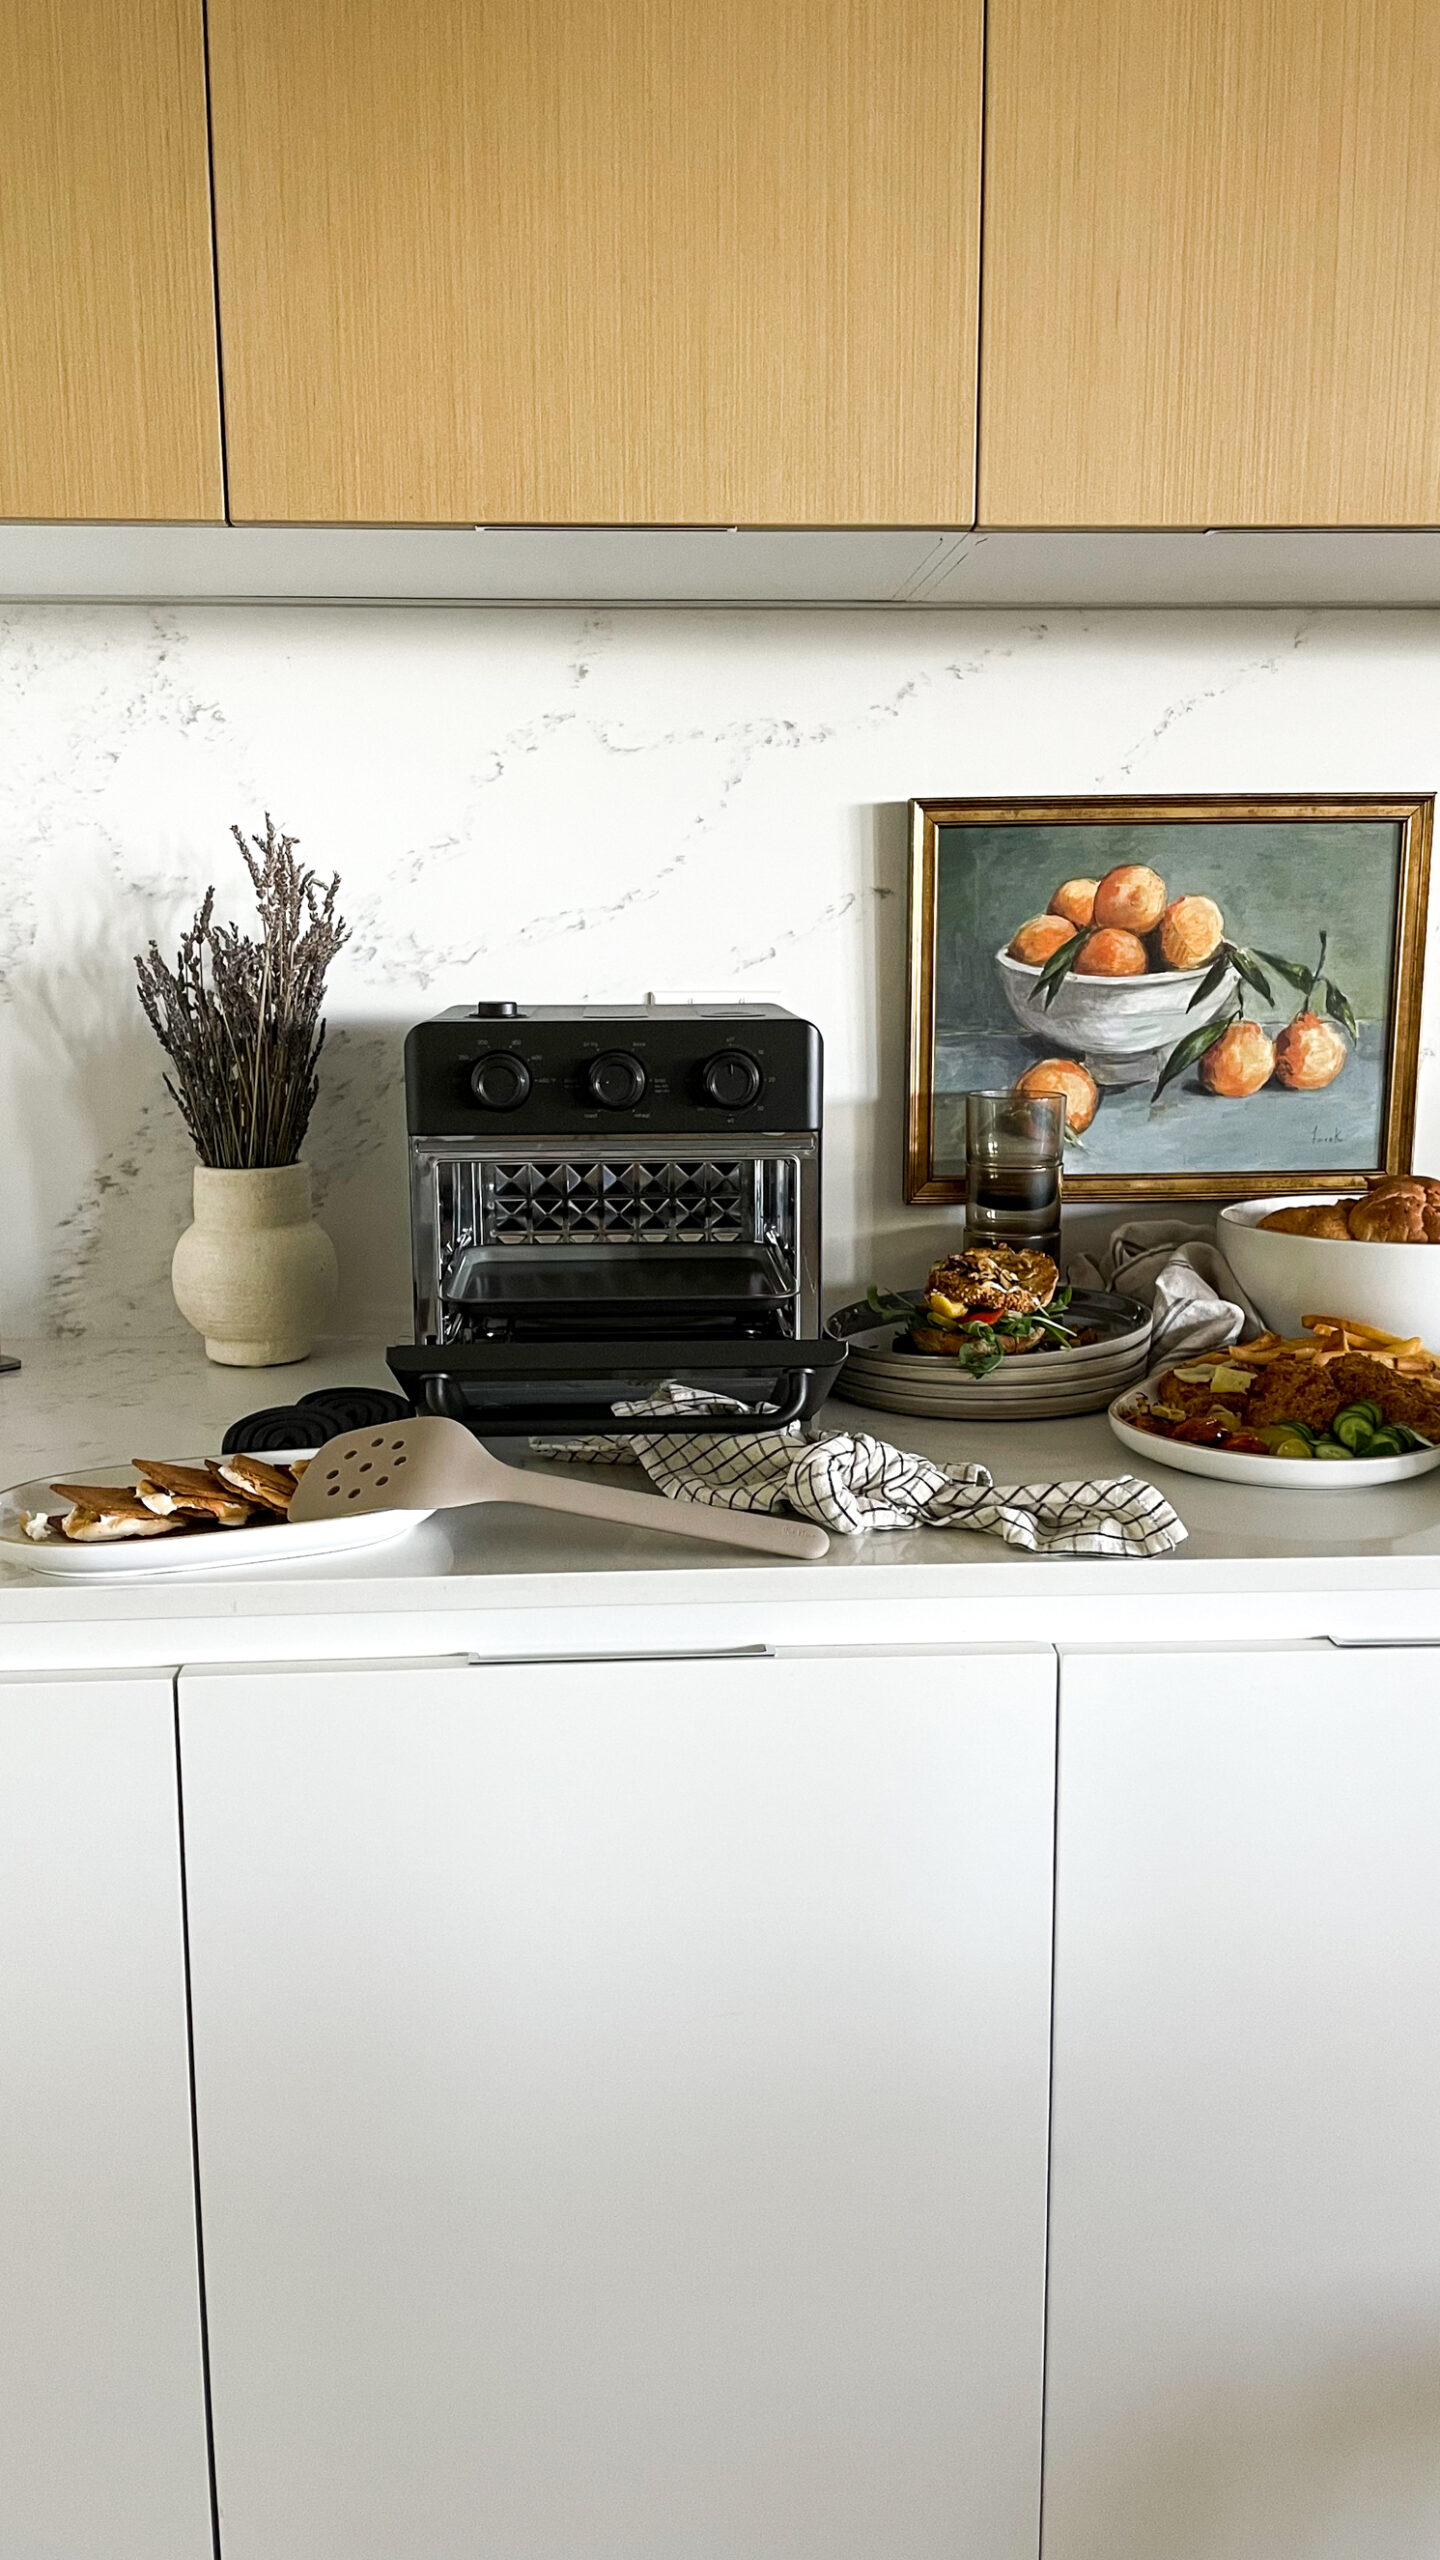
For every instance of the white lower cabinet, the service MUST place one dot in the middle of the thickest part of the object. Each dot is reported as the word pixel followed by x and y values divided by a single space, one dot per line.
pixel 102 2410
pixel 1244 2293
pixel 622 2093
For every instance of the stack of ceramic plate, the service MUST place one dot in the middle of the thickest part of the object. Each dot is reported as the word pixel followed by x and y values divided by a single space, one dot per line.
pixel 1032 1386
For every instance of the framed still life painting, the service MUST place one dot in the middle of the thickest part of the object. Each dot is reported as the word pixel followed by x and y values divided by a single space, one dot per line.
pixel 1227 992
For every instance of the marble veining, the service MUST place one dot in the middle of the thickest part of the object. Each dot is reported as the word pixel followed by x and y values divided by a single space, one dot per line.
pixel 568 806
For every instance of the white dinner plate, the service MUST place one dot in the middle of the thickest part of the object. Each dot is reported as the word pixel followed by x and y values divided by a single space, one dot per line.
pixel 192 1551
pixel 1075 1398
pixel 1063 1406
pixel 1290 1475
pixel 1013 1380
pixel 1034 1386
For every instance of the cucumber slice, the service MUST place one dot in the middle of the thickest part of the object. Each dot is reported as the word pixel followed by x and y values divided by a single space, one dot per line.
pixel 1282 1442
pixel 1385 1444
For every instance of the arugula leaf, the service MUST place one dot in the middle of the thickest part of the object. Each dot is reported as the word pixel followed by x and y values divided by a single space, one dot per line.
pixel 890 1310
pixel 1193 1046
pixel 1340 1009
pixel 1058 967
pixel 1049 1324
pixel 982 1352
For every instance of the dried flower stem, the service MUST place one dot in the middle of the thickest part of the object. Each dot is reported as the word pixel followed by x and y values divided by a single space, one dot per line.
pixel 239 1019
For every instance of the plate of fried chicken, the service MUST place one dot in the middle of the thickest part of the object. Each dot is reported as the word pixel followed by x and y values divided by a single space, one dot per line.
pixel 1340 1405
pixel 165 1515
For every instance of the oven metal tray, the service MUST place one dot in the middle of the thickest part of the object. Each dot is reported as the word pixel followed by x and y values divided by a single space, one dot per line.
pixel 564 1281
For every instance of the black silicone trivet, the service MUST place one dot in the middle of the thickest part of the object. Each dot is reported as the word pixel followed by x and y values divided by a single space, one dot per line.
pixel 314 1420
pixel 357 1408
pixel 277 1426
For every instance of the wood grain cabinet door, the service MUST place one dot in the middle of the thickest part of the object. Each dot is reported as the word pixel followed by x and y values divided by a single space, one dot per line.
pixel 598 261
pixel 1212 263
pixel 1244 2300
pixel 622 2097
pixel 109 386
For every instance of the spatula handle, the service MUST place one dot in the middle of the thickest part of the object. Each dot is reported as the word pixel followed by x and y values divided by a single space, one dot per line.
pixel 756 1529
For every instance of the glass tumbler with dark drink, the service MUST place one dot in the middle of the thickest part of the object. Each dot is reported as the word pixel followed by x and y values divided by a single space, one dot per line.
pixel 1014 1145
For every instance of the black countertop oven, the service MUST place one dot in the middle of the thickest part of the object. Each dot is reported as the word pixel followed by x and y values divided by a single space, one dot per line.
pixel 604 1199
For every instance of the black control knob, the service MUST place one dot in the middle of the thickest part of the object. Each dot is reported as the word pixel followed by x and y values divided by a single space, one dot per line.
pixel 732 1080
pixel 500 1082
pixel 616 1080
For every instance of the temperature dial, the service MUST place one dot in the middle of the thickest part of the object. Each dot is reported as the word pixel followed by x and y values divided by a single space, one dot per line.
pixel 731 1080
pixel 615 1080
pixel 500 1082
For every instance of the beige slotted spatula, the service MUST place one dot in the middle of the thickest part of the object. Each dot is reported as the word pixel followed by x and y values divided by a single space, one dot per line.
pixel 435 1465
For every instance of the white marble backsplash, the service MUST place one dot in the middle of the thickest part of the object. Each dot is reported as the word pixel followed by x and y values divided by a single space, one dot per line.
pixel 567 807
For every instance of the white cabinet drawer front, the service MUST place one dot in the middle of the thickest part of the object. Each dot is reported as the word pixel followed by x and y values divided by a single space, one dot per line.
pixel 102 2411
pixel 1244 2331
pixel 622 2103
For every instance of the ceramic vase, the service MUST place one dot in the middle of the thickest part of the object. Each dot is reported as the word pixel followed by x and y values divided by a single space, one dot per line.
pixel 254 1274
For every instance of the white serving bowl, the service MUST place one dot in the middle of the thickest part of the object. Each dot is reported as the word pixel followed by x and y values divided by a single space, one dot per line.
pixel 1120 1028
pixel 1395 1286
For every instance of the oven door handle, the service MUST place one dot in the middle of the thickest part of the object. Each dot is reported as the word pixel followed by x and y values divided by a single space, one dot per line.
pixel 793 1407
pixel 513 1390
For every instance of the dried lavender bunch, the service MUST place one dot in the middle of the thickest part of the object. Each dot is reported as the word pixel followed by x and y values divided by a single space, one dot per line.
pixel 239 1019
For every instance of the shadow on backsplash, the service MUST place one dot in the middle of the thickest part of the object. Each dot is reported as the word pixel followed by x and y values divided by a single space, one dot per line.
pixel 111 1268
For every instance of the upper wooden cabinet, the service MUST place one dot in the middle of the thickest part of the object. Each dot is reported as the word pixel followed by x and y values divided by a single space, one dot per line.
pixel 1212 263
pixel 109 392
pixel 598 261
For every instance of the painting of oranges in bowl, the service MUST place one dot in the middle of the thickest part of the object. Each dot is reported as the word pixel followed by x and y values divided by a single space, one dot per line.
pixel 1223 994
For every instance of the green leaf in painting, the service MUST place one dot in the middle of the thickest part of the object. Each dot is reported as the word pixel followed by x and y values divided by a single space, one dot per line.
pixel 1248 967
pixel 1291 971
pixel 1340 1009
pixel 1193 1046
pixel 1058 967
pixel 1214 977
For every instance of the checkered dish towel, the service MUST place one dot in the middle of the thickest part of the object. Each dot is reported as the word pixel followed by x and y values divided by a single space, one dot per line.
pixel 849 1482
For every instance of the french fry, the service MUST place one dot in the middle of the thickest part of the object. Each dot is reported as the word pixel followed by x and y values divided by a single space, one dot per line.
pixel 1329 1338
pixel 1352 1324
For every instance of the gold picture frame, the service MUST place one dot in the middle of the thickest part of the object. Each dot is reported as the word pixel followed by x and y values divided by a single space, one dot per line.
pixel 1383 946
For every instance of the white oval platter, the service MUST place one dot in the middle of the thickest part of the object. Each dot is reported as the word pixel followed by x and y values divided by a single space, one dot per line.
pixel 1287 1475
pixel 194 1551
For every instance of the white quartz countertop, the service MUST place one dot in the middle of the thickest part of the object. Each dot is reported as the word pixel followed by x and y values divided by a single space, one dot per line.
pixel 1365 1562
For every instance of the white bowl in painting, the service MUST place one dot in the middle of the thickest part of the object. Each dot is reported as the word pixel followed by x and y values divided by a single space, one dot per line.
pixel 1395 1286
pixel 1122 1029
